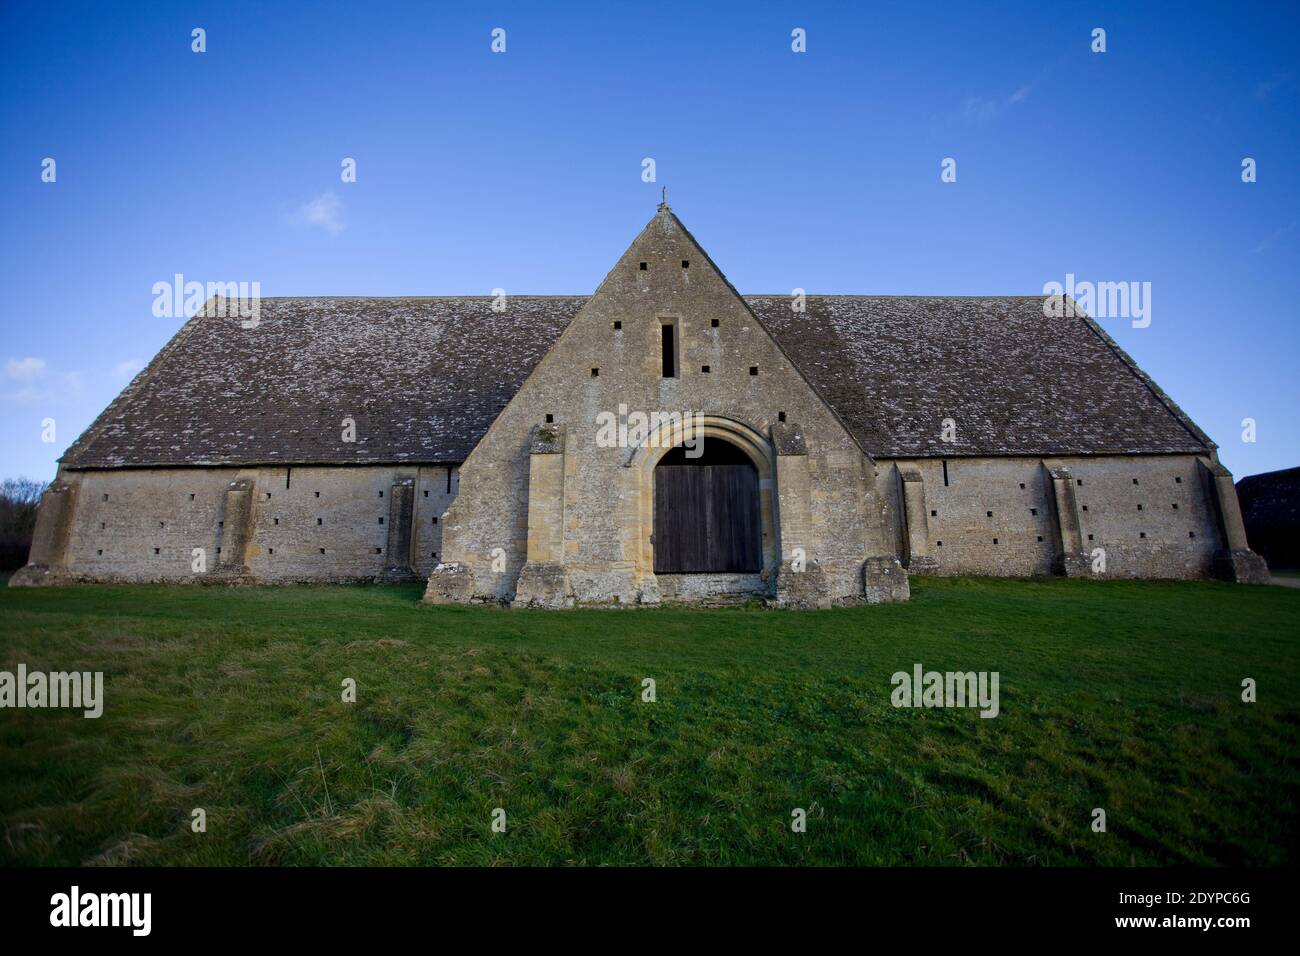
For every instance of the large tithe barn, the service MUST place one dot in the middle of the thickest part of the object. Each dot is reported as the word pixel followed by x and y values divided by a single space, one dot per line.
pixel 663 439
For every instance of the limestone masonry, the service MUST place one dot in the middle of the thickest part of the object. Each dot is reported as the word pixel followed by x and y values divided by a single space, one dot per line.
pixel 665 439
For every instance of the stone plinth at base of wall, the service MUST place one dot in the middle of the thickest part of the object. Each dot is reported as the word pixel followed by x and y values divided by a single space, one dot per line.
pixel 1242 566
pixel 543 584
pixel 884 581
pixel 922 564
pixel 450 584
pixel 1073 565
pixel 710 589
pixel 397 575
pixel 803 588
pixel 38 575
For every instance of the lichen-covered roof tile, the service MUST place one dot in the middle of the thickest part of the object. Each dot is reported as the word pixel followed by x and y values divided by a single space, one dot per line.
pixel 423 378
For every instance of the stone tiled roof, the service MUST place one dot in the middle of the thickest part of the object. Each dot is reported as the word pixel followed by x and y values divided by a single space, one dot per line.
pixel 424 378
pixel 1013 381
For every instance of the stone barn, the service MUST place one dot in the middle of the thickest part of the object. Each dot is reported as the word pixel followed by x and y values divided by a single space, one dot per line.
pixel 665 439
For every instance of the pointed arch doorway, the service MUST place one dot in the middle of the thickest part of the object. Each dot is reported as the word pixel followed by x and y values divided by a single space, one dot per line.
pixel 707 512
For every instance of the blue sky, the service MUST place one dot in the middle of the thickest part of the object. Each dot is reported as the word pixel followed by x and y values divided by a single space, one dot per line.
pixel 522 170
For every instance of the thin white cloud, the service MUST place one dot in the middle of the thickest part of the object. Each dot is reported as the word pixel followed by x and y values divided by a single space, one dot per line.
pixel 981 109
pixel 1264 89
pixel 1269 241
pixel 126 370
pixel 34 381
pixel 322 213
pixel 24 370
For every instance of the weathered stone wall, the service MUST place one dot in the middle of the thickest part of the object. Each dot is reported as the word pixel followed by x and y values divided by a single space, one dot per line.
pixel 592 498
pixel 311 524
pixel 1153 515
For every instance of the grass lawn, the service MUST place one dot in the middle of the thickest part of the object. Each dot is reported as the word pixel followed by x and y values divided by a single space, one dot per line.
pixel 1119 695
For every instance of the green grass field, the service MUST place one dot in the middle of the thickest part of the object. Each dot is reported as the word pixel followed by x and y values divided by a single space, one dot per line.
pixel 1124 696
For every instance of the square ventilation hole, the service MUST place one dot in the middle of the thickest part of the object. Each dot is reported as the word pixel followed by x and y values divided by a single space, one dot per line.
pixel 1142 534
pixel 191 497
pixel 934 514
pixel 1191 534
pixel 686 263
pixel 1175 506
pixel 780 416
pixel 713 323
pixel 995 540
pixel 157 550
pixel 1033 511
pixel 379 550
pixel 704 369
pixel 381 520
pixel 1040 537
pixel 1089 537
pixel 426 492
pixel 988 514
pixel 218 550
pixel 1022 486
pixel 939 544
pixel 550 419
pixel 221 524
pixel 434 554
pixel 100 552
pixel 381 494
pixel 1084 507
pixel 595 373
pixel 645 266
pixel 105 496
pixel 753 370
pixel 322 550
pixel 268 496
pixel 1178 481
pixel 435 519
pixel 320 521
pixel 618 325
pixel 276 520
pixel 1135 481
pixel 1139 507
pixel 318 494
pixel 270 550
pixel 1079 481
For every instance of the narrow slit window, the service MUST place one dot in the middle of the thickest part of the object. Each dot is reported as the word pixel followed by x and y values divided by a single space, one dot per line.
pixel 945 472
pixel 668 347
